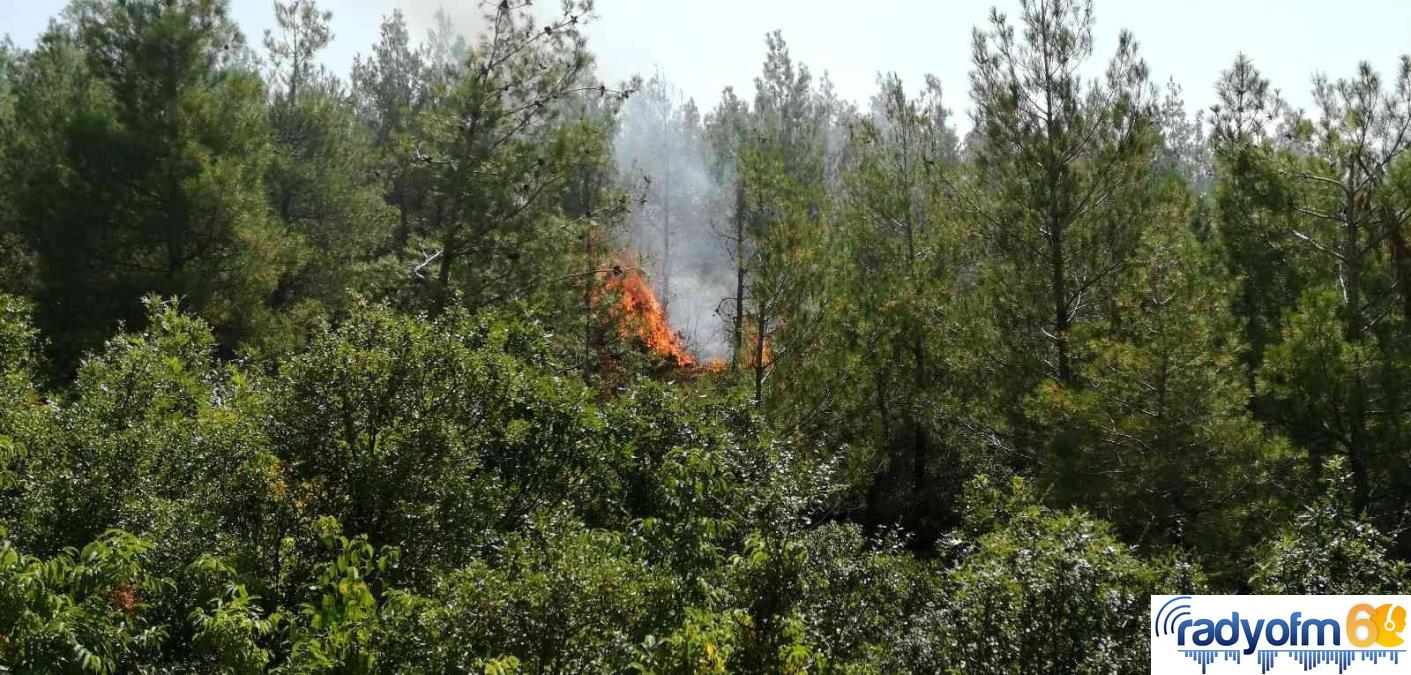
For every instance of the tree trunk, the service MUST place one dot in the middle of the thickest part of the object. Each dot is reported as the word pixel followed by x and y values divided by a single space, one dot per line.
pixel 1353 333
pixel 739 335
pixel 875 491
pixel 919 442
pixel 1056 224
pixel 1401 260
pixel 760 327
pixel 589 286
pixel 666 237
pixel 443 279
pixel 1060 303
pixel 403 233
pixel 920 450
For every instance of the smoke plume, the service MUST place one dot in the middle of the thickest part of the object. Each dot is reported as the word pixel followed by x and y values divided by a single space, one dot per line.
pixel 661 156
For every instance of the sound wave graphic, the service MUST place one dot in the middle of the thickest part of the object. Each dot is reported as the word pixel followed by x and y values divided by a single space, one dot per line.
pixel 1312 658
pixel 1308 658
pixel 1205 657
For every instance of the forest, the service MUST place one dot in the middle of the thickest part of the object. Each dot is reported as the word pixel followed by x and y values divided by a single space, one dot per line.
pixel 472 361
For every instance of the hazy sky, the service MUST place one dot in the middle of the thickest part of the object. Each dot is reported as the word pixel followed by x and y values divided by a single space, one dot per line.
pixel 703 45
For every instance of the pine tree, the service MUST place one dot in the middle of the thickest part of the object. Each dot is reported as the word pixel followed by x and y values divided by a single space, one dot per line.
pixel 782 171
pixel 1350 218
pixel 1160 438
pixel 893 268
pixel 321 182
pixel 148 134
pixel 389 89
pixel 1253 226
pixel 497 155
pixel 16 259
pixel 727 133
pixel 1058 167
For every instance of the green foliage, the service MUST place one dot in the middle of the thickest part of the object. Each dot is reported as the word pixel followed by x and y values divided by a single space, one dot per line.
pixel 320 182
pixel 1157 438
pixel 1327 550
pixel 148 167
pixel 303 375
pixel 156 440
pixel 1314 374
pixel 1271 268
pixel 852 590
pixel 703 643
pixel 884 352
pixel 20 415
pixel 554 597
pixel 80 611
pixel 229 628
pixel 429 436
pixel 498 148
pixel 1057 181
pixel 1040 591
pixel 336 631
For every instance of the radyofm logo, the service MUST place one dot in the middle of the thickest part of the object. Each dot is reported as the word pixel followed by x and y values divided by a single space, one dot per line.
pixel 1312 633
pixel 1381 625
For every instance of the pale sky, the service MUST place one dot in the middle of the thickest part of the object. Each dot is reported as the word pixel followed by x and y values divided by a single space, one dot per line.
pixel 704 45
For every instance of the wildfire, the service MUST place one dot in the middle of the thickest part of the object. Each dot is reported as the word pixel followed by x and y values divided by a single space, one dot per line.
pixel 637 313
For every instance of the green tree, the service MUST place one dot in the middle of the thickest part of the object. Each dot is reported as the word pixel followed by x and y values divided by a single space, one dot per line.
pixel 149 140
pixel 559 598
pixel 498 154
pixel 1059 165
pixel 1159 440
pixel 388 89
pixel 1351 217
pixel 23 413
pixel 158 440
pixel 321 179
pixel 81 610
pixel 1252 226
pixel 781 169
pixel 428 436
pixel 892 269
pixel 1329 549
pixel 1040 591
pixel 16 259
pixel 727 132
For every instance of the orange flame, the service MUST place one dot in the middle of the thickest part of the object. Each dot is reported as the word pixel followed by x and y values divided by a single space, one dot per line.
pixel 639 314
pixel 756 354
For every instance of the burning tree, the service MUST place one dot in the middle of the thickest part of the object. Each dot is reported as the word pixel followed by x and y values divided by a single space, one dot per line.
pixel 639 316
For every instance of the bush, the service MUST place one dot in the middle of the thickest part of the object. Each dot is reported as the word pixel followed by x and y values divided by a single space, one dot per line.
pixel 1329 550
pixel 80 611
pixel 1040 591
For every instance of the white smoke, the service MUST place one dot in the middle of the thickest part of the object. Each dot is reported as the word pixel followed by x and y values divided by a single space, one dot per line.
pixel 675 229
pixel 661 158
pixel 466 19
